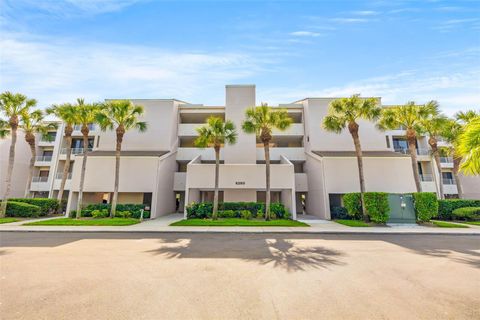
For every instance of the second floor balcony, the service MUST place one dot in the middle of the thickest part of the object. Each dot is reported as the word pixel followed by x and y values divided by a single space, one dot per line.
pixel 74 150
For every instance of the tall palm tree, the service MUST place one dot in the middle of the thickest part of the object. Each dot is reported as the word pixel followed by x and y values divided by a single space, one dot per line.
pixel 67 113
pixel 261 121
pixel 408 116
pixel 469 147
pixel 216 133
pixel 33 123
pixel 121 115
pixel 344 113
pixel 12 105
pixel 434 125
pixel 86 114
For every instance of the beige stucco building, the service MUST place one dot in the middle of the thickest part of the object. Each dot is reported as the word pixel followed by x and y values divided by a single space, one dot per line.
pixel 161 168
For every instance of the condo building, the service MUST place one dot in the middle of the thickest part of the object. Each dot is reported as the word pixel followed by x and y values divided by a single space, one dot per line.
pixel 310 168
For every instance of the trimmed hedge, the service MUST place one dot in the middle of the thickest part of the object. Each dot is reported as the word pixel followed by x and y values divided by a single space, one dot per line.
pixel 446 207
pixel 22 209
pixel 204 210
pixel 426 205
pixel 47 205
pixel 339 213
pixel 133 208
pixel 376 205
pixel 467 213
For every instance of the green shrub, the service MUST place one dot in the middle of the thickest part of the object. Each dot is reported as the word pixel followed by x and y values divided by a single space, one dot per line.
pixel 99 213
pixel 47 206
pixel 446 207
pixel 204 210
pixel 260 214
pixel 134 208
pixel 467 213
pixel 227 214
pixel 278 211
pixel 353 204
pixel 123 214
pixel 426 205
pixel 339 213
pixel 376 206
pixel 22 209
pixel 246 214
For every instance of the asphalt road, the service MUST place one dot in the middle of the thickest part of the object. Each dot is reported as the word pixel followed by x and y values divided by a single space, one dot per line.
pixel 238 276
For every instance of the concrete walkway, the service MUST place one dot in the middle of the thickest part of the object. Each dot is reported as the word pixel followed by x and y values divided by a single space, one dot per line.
pixel 316 226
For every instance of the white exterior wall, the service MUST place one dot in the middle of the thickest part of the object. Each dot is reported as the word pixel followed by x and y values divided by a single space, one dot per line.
pixel 163 198
pixel 20 168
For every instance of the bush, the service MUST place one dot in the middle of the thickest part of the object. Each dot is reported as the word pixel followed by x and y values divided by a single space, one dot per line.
pixel 22 209
pixel 227 214
pixel 47 206
pixel 99 213
pixel 467 213
pixel 245 214
pixel 204 210
pixel 133 208
pixel 446 207
pixel 260 214
pixel 376 206
pixel 339 213
pixel 353 204
pixel 426 205
pixel 123 214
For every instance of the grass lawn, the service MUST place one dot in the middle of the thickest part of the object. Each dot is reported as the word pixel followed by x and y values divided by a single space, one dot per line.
pixel 352 223
pixel 236 222
pixel 85 222
pixel 8 220
pixel 475 223
pixel 444 224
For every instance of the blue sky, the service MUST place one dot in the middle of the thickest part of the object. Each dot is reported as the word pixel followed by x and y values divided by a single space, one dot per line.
pixel 57 50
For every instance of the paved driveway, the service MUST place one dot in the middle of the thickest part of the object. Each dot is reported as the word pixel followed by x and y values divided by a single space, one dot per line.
pixel 238 276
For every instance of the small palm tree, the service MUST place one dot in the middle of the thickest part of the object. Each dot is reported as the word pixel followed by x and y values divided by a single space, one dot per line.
pixel 32 123
pixel 216 133
pixel 86 114
pixel 121 115
pixel 344 113
pixel 261 121
pixel 68 114
pixel 12 105
pixel 434 125
pixel 469 147
pixel 410 117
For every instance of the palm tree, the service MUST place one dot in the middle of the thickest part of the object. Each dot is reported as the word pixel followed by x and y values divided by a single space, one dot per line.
pixel 67 113
pixel 469 147
pixel 86 114
pixel 344 113
pixel 32 123
pixel 121 115
pixel 261 121
pixel 4 131
pixel 12 105
pixel 410 117
pixel 216 133
pixel 434 125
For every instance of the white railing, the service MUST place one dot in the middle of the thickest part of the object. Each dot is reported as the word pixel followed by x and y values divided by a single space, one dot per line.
pixel 446 160
pixel 74 150
pixel 78 127
pixel 420 152
pixel 59 175
pixel 39 179
pixel 426 177
pixel 43 158
pixel 448 181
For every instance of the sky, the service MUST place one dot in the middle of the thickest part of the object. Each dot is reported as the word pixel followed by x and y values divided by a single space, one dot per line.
pixel 58 50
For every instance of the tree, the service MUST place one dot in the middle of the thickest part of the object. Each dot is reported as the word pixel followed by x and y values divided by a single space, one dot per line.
pixel 33 123
pixel 86 114
pixel 410 117
pixel 469 147
pixel 121 115
pixel 434 125
pixel 4 131
pixel 67 113
pixel 344 113
pixel 216 133
pixel 12 105
pixel 261 121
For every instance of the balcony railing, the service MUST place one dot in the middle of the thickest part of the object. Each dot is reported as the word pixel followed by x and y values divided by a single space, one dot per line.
pixel 426 177
pixel 39 179
pixel 74 150
pixel 59 175
pixel 448 181
pixel 43 158
pixel 446 160
pixel 78 127
pixel 420 152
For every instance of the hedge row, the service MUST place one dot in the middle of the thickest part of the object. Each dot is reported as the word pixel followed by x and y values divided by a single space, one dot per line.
pixel 467 213
pixel 204 210
pixel 376 205
pixel 446 207
pixel 426 205
pixel 22 210
pixel 47 205
pixel 133 208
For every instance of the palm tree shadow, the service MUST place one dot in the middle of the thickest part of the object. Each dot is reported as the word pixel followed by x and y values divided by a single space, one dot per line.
pixel 279 252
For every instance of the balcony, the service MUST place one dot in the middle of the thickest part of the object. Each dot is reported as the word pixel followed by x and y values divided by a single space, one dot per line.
pixel 45 142
pixel 449 188
pixel 59 176
pixel 426 177
pixel 296 129
pixel 39 184
pixel 75 151
pixel 188 129
pixel 292 154
pixel 77 128
pixel 446 162
pixel 420 151
pixel 187 154
pixel 42 161
pixel 39 179
pixel 58 181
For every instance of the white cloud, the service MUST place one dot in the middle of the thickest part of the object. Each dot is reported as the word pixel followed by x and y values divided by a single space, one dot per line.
pixel 304 34
pixel 365 13
pixel 349 20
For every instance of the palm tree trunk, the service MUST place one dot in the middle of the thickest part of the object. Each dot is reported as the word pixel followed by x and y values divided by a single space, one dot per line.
pixel 266 146
pixel 84 168
pixel 436 156
pixel 353 127
pixel 66 167
pixel 215 195
pixel 117 176
pixel 31 167
pixel 411 138
pixel 456 166
pixel 8 181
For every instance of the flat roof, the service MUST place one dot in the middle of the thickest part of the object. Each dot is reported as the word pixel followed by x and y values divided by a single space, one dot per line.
pixel 368 154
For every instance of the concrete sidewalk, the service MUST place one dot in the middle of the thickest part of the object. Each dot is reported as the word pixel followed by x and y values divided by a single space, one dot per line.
pixel 316 227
